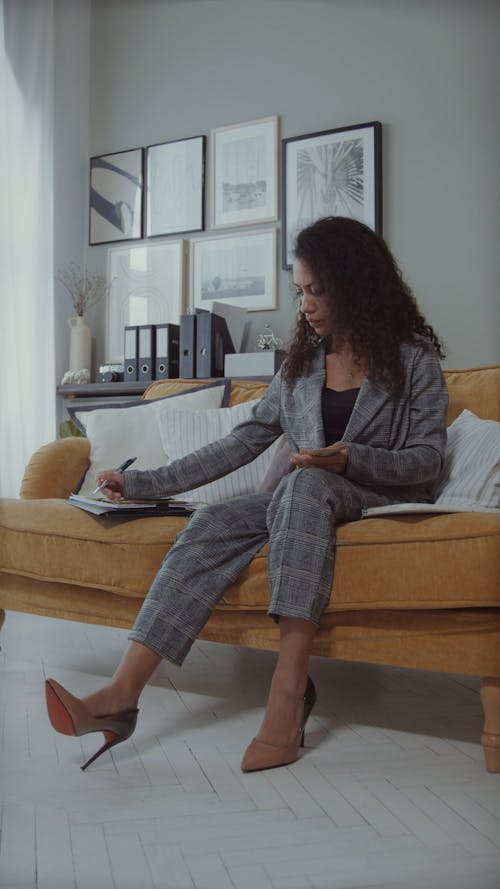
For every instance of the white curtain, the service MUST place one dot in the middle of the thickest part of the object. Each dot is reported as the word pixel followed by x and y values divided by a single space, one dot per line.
pixel 27 375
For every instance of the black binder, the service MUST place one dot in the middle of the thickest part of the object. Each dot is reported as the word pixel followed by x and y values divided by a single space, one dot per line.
pixel 130 354
pixel 147 341
pixel 213 342
pixel 167 351
pixel 187 347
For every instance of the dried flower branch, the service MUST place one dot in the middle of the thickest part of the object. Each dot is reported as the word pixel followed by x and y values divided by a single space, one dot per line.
pixel 84 290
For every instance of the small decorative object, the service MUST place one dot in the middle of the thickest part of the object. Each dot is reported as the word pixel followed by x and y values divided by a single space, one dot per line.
pixel 80 344
pixel 111 373
pixel 267 340
pixel 76 377
pixel 85 291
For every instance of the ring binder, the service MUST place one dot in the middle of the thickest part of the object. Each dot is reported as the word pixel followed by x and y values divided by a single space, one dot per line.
pixel 167 351
pixel 213 342
pixel 130 352
pixel 187 347
pixel 147 343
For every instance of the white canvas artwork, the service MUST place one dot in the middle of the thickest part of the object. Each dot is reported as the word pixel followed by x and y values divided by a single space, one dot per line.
pixel 174 187
pixel 146 286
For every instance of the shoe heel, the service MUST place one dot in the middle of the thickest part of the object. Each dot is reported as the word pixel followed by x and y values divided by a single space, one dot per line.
pixel 111 740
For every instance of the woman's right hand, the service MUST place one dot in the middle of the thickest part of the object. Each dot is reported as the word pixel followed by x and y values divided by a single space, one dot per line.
pixel 114 483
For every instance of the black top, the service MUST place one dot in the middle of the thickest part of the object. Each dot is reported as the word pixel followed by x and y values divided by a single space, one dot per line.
pixel 337 408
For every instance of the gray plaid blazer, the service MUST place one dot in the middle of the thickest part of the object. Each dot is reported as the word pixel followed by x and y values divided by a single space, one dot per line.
pixel 395 444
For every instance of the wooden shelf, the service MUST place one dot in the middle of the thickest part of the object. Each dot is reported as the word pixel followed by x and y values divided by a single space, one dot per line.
pixel 96 390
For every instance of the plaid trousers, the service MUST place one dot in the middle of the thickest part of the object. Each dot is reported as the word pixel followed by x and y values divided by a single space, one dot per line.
pixel 298 522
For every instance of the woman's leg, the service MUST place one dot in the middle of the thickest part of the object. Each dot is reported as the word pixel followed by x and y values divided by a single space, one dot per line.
pixel 207 557
pixel 285 704
pixel 134 671
pixel 302 515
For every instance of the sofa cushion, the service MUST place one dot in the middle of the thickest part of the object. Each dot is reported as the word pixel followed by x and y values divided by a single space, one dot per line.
pixel 121 432
pixel 471 471
pixel 194 429
pixel 380 563
pixel 241 390
pixel 477 389
pixel 79 414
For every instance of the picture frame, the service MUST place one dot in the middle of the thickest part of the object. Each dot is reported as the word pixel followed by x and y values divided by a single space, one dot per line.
pixel 115 196
pixel 239 268
pixel 245 173
pixel 175 187
pixel 331 173
pixel 146 285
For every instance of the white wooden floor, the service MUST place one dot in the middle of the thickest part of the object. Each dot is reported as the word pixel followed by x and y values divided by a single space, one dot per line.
pixel 390 792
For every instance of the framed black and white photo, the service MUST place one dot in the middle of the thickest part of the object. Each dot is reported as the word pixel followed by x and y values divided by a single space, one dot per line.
pixel 245 173
pixel 174 190
pixel 146 285
pixel 239 269
pixel 115 204
pixel 332 173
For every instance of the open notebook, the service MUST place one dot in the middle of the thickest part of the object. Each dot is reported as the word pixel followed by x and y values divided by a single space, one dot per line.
pixel 409 508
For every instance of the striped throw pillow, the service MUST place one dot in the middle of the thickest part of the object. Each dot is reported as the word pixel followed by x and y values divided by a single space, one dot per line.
pixel 185 432
pixel 471 471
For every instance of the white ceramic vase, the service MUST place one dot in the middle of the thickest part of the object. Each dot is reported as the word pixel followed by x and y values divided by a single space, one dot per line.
pixel 80 344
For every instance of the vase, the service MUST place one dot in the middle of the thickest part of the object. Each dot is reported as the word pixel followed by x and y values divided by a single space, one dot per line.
pixel 80 344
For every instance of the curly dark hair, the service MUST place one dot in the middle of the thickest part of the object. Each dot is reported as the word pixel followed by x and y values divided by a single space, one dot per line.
pixel 372 309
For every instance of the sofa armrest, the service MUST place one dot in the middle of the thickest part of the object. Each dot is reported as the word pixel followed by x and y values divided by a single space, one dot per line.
pixel 55 469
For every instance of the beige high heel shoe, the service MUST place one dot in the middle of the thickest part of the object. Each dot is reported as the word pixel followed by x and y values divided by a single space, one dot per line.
pixel 69 716
pixel 259 756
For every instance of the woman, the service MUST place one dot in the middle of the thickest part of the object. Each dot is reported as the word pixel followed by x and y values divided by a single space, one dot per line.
pixel 362 371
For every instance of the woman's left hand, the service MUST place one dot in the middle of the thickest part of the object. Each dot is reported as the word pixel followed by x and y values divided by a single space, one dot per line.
pixel 335 461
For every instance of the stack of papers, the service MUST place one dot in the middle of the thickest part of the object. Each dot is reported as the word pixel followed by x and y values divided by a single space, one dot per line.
pixel 101 506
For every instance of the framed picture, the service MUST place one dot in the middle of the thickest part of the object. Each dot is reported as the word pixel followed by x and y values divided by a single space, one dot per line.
pixel 245 173
pixel 146 285
pixel 115 211
pixel 174 194
pixel 333 173
pixel 238 268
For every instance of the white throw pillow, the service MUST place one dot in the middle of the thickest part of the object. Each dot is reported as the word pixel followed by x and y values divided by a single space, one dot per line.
pixel 471 471
pixel 118 433
pixel 195 429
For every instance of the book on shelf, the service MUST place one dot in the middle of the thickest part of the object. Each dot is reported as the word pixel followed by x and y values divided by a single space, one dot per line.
pixel 101 506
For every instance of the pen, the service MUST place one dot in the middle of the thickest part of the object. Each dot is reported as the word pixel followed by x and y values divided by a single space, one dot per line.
pixel 121 468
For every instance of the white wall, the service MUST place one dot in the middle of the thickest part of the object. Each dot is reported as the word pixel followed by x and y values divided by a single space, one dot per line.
pixel 168 69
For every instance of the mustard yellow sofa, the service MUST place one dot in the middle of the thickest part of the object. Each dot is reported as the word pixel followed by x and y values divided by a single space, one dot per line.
pixel 418 591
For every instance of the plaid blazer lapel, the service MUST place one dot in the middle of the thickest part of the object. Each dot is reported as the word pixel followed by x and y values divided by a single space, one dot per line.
pixel 371 400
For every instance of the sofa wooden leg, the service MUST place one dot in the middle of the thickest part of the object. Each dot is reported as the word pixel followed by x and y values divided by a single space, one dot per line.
pixel 490 699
